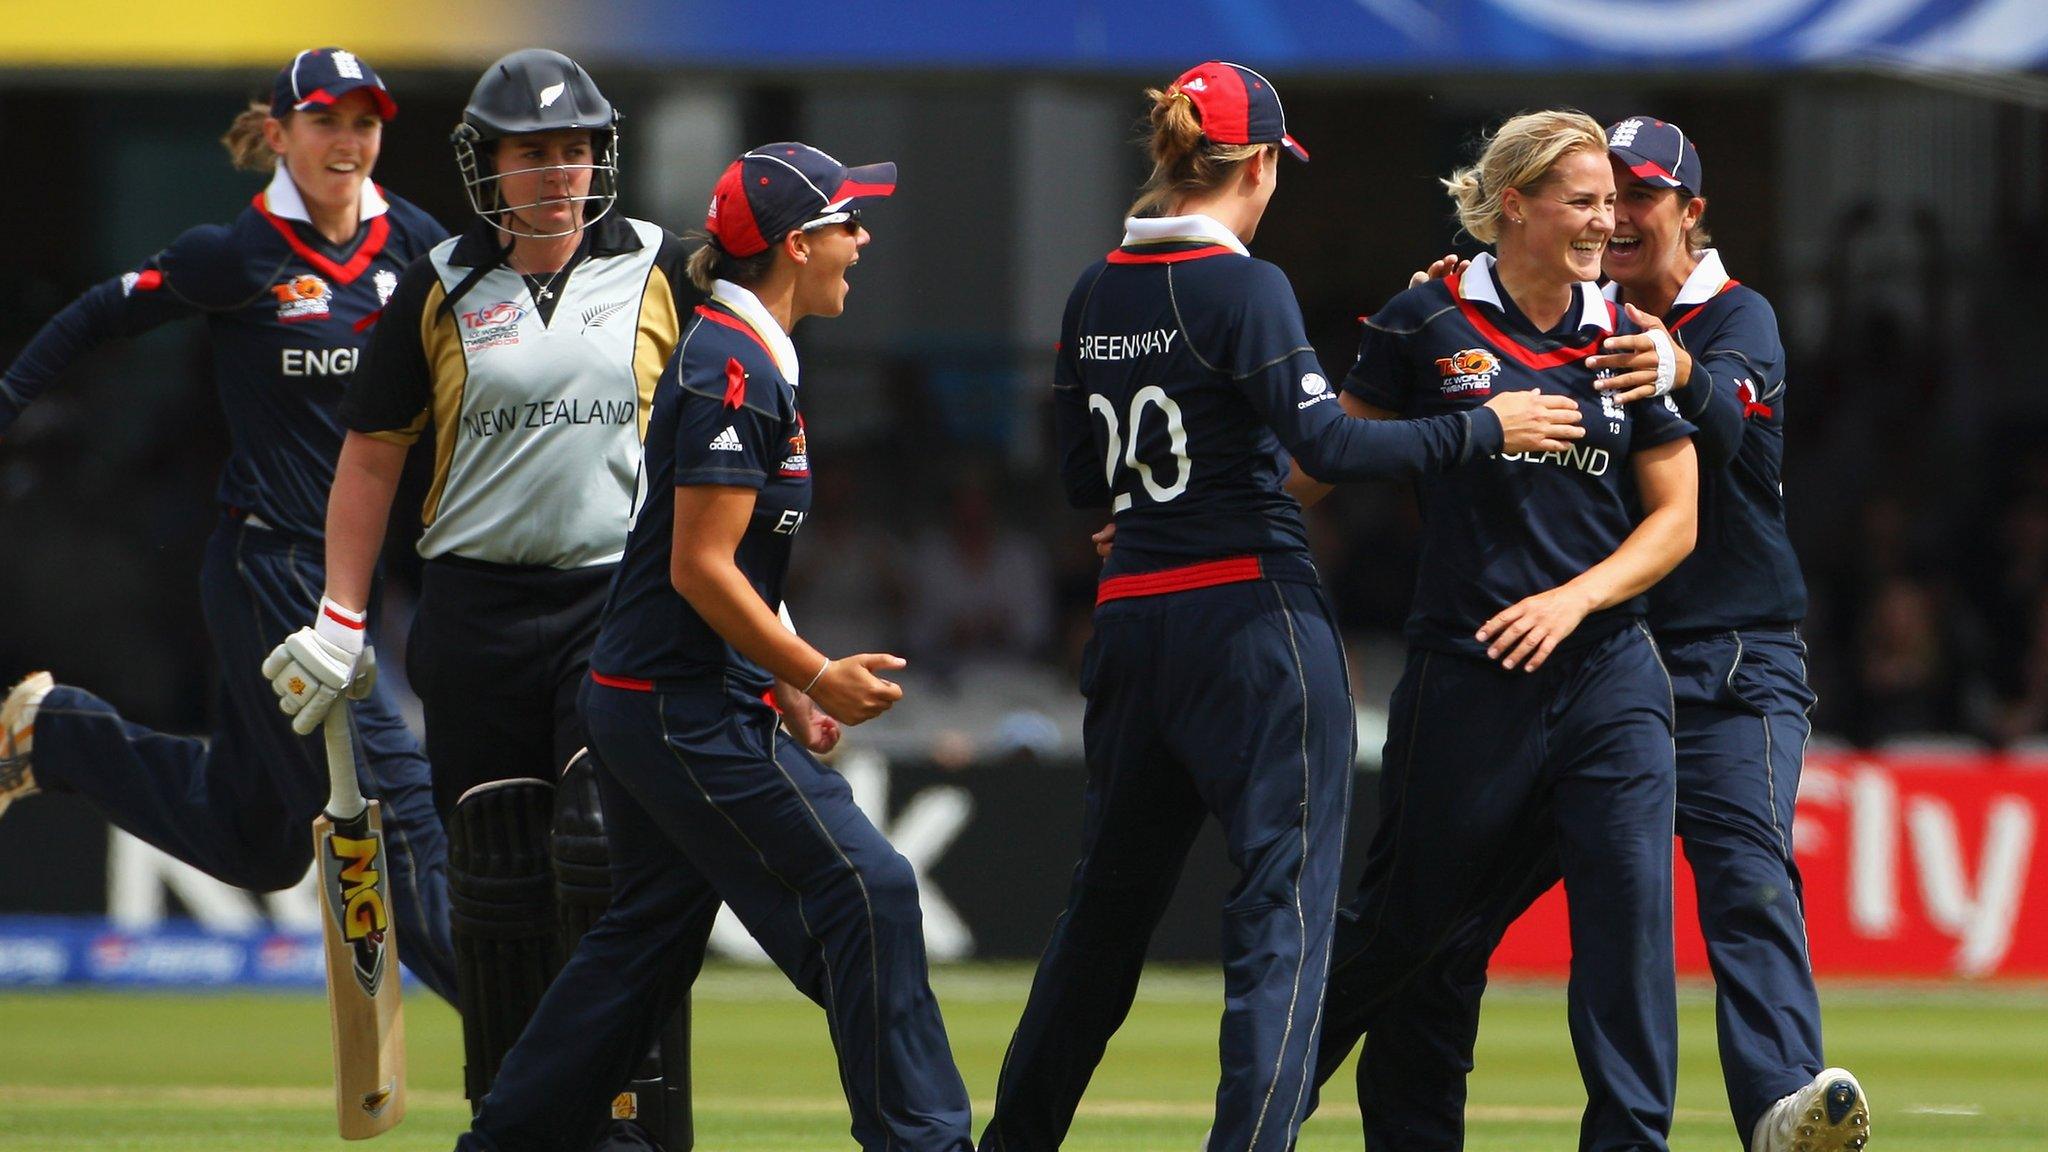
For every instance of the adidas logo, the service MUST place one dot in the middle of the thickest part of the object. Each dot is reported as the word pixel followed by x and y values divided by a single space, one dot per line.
pixel 727 441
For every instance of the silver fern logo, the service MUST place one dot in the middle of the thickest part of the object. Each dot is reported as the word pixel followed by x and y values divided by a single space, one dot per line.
pixel 595 315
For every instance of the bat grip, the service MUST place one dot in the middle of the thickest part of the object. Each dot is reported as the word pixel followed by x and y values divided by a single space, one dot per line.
pixel 344 796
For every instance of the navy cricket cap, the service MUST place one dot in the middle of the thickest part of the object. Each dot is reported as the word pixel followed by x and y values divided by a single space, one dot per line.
pixel 1236 105
pixel 1658 153
pixel 320 76
pixel 776 188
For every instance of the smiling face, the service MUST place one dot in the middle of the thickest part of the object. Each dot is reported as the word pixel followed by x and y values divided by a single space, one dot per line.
pixel 1650 226
pixel 1566 217
pixel 541 179
pixel 329 151
pixel 828 252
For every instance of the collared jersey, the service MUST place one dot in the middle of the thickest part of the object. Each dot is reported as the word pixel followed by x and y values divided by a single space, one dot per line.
pixel 537 418
pixel 1510 526
pixel 1743 573
pixel 1184 380
pixel 287 313
pixel 724 414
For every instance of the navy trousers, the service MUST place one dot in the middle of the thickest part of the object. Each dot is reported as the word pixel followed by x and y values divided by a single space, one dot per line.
pixel 240 807
pixel 1742 725
pixel 1490 777
pixel 1228 702
pixel 706 799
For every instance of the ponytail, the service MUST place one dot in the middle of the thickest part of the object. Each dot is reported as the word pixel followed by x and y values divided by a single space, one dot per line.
pixel 710 262
pixel 247 147
pixel 1184 162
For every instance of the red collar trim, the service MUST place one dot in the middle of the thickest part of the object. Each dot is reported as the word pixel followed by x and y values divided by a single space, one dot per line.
pixel 1126 256
pixel 736 324
pixel 1529 357
pixel 1697 308
pixel 373 243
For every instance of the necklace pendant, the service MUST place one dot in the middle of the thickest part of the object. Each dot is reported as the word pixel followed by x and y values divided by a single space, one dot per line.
pixel 545 294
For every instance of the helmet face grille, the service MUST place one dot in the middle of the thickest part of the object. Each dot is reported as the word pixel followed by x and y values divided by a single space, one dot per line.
pixel 481 181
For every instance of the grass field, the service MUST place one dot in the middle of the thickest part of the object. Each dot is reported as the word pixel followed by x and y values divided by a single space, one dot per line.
pixel 1948 1068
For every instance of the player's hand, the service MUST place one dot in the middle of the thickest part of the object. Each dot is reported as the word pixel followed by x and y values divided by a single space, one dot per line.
pixel 1633 360
pixel 1443 266
pixel 1533 422
pixel 1105 540
pixel 850 692
pixel 806 722
pixel 309 673
pixel 1525 633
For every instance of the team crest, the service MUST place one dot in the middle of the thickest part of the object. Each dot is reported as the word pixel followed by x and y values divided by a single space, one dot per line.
pixel 386 282
pixel 303 297
pixel 798 462
pixel 1610 404
pixel 1468 372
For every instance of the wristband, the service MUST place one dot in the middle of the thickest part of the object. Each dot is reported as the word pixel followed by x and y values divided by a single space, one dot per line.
pixel 339 626
pixel 1667 361
pixel 819 676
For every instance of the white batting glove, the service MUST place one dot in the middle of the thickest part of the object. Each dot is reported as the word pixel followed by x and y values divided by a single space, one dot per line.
pixel 315 665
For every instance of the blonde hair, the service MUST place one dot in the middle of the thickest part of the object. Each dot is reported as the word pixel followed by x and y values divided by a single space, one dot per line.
pixel 244 140
pixel 1184 162
pixel 1519 154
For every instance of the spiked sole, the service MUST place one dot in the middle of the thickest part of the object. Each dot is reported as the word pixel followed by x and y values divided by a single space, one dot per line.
pixel 1837 1121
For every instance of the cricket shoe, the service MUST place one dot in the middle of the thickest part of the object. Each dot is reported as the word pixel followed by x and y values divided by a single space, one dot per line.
pixel 1829 1115
pixel 17 736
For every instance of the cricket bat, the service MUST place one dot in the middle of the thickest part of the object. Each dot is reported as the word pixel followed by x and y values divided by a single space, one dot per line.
pixel 361 947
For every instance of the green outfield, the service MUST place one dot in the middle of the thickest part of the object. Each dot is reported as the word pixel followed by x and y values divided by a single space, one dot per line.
pixel 1947 1068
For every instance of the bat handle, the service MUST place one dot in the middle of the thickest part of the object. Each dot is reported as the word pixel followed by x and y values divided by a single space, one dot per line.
pixel 344 796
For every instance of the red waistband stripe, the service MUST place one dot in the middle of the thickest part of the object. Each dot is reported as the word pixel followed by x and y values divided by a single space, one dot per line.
pixel 1209 574
pixel 625 683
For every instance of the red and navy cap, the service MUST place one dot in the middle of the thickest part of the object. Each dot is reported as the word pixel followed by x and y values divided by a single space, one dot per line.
pixel 1658 153
pixel 320 76
pixel 1236 105
pixel 776 188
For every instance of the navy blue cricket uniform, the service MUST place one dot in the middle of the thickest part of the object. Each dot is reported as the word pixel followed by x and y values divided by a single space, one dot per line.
pixel 1485 767
pixel 288 313
pixel 1726 622
pixel 1215 679
pixel 706 800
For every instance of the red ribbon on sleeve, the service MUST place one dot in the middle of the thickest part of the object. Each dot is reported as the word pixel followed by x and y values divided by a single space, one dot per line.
pixel 735 384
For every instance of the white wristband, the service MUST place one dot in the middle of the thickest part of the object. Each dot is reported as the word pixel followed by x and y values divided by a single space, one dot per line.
pixel 1667 361
pixel 339 626
pixel 819 676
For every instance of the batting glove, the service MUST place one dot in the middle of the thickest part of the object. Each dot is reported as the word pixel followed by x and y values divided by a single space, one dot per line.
pixel 316 665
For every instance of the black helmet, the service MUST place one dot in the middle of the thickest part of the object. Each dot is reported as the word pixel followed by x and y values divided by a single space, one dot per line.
pixel 536 90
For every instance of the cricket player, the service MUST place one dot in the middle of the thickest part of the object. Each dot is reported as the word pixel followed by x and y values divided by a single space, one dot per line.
pixel 1726 622
pixel 706 796
pixel 1215 679
pixel 1534 710
pixel 528 346
pixel 289 291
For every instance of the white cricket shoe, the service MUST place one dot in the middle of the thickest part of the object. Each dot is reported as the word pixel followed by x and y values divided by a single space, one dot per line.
pixel 17 736
pixel 1828 1115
